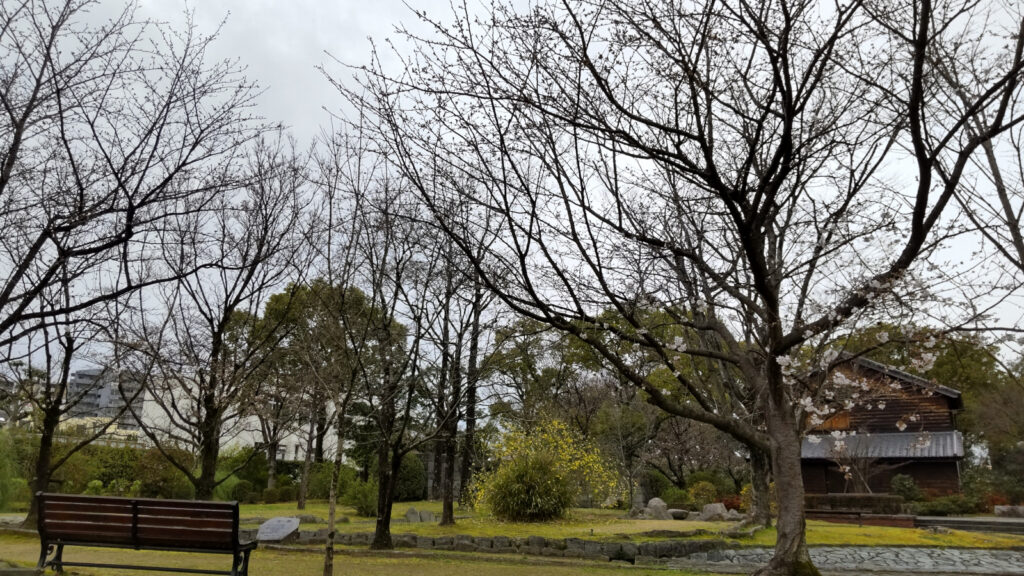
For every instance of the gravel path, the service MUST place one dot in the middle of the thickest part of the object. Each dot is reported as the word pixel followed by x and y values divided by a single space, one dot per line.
pixel 857 560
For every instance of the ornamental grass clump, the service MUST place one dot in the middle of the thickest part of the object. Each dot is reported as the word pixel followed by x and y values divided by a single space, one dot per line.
pixel 540 475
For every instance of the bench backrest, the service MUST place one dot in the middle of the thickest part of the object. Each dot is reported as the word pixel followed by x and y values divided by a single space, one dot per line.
pixel 139 522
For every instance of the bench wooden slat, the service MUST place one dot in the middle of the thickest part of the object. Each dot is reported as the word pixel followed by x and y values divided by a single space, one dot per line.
pixel 185 514
pixel 120 500
pixel 89 507
pixel 75 516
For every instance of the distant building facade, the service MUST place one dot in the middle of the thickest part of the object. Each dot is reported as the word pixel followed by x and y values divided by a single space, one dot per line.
pixel 904 425
pixel 100 393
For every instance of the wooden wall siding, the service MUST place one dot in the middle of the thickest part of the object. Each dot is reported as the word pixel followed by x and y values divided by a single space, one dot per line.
pixel 813 473
pixel 936 477
pixel 920 410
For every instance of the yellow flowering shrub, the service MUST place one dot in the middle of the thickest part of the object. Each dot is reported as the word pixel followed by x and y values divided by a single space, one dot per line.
pixel 541 473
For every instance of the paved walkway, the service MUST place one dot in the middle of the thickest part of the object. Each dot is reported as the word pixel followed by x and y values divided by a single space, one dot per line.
pixel 859 560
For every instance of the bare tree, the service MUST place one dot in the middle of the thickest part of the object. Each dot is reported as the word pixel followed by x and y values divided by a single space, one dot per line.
pixel 107 131
pixel 39 369
pixel 734 165
pixel 207 338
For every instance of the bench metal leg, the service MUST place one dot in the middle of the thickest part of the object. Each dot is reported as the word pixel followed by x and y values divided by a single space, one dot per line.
pixel 245 563
pixel 45 548
pixel 58 560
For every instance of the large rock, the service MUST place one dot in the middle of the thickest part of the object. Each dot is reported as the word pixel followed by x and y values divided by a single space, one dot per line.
pixel 734 516
pixel 657 510
pixel 427 516
pixel 1009 511
pixel 411 515
pixel 714 512
pixel 678 514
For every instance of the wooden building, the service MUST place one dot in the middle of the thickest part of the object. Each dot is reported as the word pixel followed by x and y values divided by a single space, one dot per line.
pixel 899 424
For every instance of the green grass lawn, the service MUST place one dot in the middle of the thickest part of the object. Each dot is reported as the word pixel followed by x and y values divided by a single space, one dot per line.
pixel 24 550
pixel 594 524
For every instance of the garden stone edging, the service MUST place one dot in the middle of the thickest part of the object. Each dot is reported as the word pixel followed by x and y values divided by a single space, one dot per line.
pixel 637 553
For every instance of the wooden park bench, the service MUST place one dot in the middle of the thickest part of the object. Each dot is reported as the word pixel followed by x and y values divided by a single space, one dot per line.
pixel 139 524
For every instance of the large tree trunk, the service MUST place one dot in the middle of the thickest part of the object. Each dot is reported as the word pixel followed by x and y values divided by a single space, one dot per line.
pixel 41 482
pixel 321 433
pixel 333 499
pixel 209 450
pixel 388 461
pixel 448 478
pixel 472 375
pixel 272 464
pixel 306 461
pixel 760 470
pixel 791 554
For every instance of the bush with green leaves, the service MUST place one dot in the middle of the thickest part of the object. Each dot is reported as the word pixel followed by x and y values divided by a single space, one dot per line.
pixel 320 480
pixel 724 485
pixel 703 493
pixel 411 483
pixel 160 479
pixel 905 486
pixel 94 488
pixel 541 473
pixel 243 491
pixel 676 497
pixel 529 488
pixel 8 467
pixel 954 505
pixel 363 497
pixel 287 493
pixel 123 487
pixel 247 464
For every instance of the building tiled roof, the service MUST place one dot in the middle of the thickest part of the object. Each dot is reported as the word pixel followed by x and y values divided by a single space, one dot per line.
pixel 898 374
pixel 948 444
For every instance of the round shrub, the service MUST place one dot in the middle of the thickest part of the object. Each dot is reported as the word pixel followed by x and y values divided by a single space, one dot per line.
pixel 676 497
pixel 573 470
pixel 243 491
pixel 271 495
pixel 529 489
pixel 703 493
pixel 905 486
pixel 363 497
pixel 94 488
pixel 287 493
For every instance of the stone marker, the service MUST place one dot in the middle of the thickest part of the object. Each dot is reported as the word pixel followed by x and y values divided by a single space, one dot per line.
pixel 427 516
pixel 657 510
pixel 714 512
pixel 411 515
pixel 277 529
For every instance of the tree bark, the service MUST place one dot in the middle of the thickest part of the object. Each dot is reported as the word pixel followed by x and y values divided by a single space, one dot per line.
pixel 448 478
pixel 321 433
pixel 272 464
pixel 209 450
pixel 306 461
pixel 41 482
pixel 333 499
pixel 388 461
pixel 760 506
pixel 791 555
pixel 472 375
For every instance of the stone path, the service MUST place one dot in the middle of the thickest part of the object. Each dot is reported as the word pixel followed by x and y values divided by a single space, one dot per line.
pixel 859 560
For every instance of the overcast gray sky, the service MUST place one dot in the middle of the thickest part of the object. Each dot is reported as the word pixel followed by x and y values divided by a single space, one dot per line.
pixel 282 41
